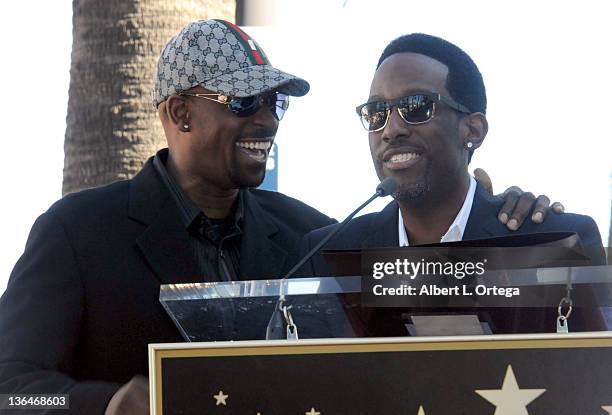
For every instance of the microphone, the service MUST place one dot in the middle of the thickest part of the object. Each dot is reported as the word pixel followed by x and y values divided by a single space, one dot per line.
pixel 385 188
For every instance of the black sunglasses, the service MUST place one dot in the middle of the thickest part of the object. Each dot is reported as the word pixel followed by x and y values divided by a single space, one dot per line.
pixel 418 108
pixel 247 106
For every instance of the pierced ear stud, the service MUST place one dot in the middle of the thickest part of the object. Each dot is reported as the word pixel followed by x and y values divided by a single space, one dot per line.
pixel 469 144
pixel 186 126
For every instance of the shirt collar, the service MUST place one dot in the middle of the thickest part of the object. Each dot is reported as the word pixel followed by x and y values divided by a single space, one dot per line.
pixel 456 229
pixel 189 211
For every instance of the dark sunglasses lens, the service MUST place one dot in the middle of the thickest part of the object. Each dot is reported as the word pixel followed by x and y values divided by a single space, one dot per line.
pixel 416 108
pixel 245 107
pixel 280 103
pixel 373 115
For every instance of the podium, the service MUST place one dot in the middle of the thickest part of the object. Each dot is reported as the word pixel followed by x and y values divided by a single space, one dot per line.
pixel 381 336
pixel 353 358
pixel 559 374
pixel 331 307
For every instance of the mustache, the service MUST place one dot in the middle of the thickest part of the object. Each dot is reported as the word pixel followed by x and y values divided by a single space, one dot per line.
pixel 399 144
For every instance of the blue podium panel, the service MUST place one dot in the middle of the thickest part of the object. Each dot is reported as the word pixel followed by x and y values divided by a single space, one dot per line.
pixel 271 180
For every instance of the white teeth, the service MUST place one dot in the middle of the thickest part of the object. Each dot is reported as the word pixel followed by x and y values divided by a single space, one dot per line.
pixel 255 145
pixel 398 158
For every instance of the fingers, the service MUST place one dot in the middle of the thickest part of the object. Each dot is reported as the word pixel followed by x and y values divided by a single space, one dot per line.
pixel 522 209
pixel 140 390
pixel 511 196
pixel 517 207
pixel 558 207
pixel 512 189
pixel 541 209
pixel 483 178
pixel 140 382
pixel 132 398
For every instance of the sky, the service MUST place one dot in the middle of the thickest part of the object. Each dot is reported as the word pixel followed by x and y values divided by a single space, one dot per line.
pixel 546 66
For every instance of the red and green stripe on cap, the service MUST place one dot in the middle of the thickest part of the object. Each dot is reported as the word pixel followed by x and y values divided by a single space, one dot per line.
pixel 253 51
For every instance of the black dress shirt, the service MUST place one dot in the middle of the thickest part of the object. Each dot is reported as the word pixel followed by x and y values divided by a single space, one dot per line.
pixel 215 242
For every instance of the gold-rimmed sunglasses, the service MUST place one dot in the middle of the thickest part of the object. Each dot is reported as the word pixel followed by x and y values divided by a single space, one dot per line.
pixel 246 106
pixel 417 108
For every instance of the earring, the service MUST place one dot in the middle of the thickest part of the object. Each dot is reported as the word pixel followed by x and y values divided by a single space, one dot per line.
pixel 186 127
pixel 469 144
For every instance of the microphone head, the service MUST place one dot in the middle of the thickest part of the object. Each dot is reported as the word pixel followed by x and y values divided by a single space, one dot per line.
pixel 386 187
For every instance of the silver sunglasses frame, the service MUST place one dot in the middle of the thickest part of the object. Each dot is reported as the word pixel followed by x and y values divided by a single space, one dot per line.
pixel 224 99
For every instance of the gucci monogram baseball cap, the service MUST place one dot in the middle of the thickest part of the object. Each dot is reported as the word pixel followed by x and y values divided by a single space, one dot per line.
pixel 220 57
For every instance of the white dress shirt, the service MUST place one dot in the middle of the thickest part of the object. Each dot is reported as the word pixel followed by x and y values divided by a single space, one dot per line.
pixel 456 229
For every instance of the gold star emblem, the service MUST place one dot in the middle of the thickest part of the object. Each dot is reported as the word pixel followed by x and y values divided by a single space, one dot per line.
pixel 313 412
pixel 510 399
pixel 608 409
pixel 220 397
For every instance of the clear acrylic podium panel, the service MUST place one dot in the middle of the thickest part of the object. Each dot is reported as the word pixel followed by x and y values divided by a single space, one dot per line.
pixel 329 307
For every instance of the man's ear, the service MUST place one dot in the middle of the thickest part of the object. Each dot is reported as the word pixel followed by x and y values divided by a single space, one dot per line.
pixel 177 112
pixel 477 128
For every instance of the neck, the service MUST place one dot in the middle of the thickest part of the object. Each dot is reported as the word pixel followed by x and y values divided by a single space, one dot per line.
pixel 215 202
pixel 427 219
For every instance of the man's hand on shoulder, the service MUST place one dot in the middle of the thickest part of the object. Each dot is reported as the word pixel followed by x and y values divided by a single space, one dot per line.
pixel 131 399
pixel 518 204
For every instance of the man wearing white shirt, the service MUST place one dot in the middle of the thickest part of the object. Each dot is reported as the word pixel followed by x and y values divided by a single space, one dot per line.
pixel 425 116
pixel 455 230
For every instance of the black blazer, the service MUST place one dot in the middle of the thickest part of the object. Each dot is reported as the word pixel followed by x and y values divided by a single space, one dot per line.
pixel 380 230
pixel 82 303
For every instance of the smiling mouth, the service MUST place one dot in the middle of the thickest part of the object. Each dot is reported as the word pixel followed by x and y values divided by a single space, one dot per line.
pixel 401 160
pixel 257 150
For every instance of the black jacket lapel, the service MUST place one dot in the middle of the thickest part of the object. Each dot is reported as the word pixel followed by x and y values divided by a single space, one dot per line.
pixel 261 256
pixel 165 242
pixel 483 222
pixel 384 228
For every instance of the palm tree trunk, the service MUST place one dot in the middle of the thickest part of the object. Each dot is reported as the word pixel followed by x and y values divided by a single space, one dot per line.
pixel 112 127
pixel 610 237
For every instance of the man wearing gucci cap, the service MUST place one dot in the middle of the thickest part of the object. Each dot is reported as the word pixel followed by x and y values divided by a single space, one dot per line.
pixel 82 302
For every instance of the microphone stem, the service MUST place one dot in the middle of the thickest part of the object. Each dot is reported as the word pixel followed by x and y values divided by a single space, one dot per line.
pixel 328 236
pixel 275 323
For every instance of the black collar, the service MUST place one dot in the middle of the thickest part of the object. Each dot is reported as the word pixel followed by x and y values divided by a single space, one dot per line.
pixel 165 242
pixel 190 213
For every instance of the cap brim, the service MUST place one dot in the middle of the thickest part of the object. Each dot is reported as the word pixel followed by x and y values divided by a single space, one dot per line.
pixel 257 79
